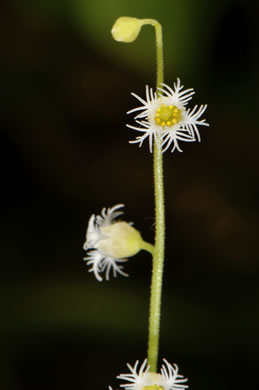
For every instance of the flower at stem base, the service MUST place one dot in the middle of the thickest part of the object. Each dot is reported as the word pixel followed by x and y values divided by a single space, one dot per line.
pixel 143 379
pixel 111 242
pixel 165 119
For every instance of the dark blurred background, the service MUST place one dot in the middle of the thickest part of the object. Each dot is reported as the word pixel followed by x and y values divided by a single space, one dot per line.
pixel 65 88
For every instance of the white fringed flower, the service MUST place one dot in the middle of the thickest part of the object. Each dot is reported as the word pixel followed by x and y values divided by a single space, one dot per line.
pixel 143 379
pixel 110 242
pixel 165 117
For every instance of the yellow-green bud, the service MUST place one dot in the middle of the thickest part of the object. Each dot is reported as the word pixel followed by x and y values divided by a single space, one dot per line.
pixel 120 240
pixel 126 29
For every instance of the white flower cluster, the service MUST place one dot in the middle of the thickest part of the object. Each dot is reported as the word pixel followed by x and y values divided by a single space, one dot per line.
pixel 164 117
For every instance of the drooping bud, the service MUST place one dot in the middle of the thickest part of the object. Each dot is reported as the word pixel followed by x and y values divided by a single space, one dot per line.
pixel 126 29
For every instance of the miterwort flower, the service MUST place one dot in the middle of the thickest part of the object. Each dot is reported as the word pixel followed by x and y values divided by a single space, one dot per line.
pixel 164 117
pixel 143 379
pixel 111 242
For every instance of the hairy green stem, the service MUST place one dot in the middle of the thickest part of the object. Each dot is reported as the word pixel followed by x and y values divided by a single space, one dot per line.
pixel 158 256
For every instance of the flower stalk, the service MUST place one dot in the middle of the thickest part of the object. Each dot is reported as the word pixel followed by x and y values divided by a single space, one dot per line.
pixel 158 257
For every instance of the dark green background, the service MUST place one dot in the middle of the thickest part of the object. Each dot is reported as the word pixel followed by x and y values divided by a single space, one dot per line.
pixel 64 89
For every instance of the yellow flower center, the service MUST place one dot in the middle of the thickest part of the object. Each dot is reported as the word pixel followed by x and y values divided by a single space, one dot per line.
pixel 153 387
pixel 167 115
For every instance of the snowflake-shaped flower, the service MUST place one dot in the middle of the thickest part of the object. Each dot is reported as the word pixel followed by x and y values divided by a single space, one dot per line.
pixel 164 117
pixel 110 242
pixel 143 379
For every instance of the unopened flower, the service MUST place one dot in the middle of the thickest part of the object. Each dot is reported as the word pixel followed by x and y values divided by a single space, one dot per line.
pixel 143 379
pixel 165 119
pixel 126 29
pixel 110 243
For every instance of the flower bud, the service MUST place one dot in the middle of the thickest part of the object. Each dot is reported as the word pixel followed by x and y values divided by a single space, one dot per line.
pixel 126 29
